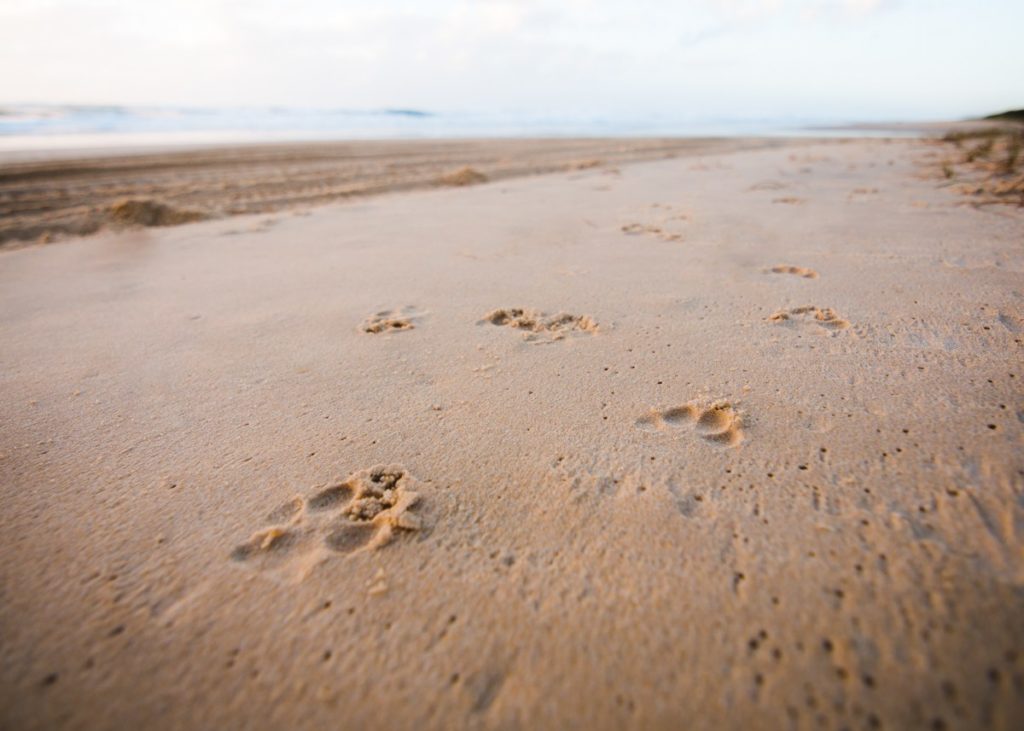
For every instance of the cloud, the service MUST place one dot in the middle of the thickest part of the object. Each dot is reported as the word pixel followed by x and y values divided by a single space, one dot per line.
pixel 845 9
pixel 746 10
pixel 743 11
pixel 736 16
pixel 864 7
pixel 712 55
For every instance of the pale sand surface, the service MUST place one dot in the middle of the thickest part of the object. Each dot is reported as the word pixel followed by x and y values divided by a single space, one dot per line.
pixel 837 545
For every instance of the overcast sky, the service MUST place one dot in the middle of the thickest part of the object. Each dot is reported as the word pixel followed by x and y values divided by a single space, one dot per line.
pixel 861 59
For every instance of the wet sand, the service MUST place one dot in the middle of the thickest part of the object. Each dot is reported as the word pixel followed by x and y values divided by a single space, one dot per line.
pixel 728 440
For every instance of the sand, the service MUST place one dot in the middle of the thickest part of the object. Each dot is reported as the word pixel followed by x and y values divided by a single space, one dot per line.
pixel 46 195
pixel 729 440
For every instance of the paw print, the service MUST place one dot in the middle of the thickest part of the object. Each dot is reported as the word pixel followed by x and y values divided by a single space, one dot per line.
pixel 363 512
pixel 718 423
pixel 388 321
pixel 824 320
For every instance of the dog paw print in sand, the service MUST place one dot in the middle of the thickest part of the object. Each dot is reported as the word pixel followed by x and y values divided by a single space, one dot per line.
pixel 650 230
pixel 387 321
pixel 718 423
pixel 539 326
pixel 825 320
pixel 794 270
pixel 363 512
pixel 669 217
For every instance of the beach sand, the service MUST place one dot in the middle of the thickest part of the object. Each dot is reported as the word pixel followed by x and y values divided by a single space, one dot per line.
pixel 48 194
pixel 727 440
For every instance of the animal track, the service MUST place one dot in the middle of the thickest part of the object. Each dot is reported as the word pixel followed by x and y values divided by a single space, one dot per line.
pixel 826 319
pixel 798 271
pixel 285 512
pixel 790 199
pixel 390 321
pixel 718 423
pixel 643 228
pixel 538 325
pixel 362 512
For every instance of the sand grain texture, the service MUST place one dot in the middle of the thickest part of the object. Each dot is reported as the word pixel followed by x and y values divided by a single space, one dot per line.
pixel 229 504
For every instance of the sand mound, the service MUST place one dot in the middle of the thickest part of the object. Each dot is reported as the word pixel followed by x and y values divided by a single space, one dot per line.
pixel 463 176
pixel 145 212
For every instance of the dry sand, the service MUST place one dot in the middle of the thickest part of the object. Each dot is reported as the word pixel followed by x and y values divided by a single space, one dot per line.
pixel 721 442
pixel 47 195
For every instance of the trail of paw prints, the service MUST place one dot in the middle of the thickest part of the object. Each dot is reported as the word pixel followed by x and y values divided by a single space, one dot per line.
pixel 794 270
pixel 825 320
pixel 718 423
pixel 539 326
pixel 363 512
pixel 390 321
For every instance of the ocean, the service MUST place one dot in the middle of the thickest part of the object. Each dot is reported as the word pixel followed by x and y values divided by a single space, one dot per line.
pixel 51 127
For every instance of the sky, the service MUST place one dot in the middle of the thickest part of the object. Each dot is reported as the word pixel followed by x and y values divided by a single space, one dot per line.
pixel 851 59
